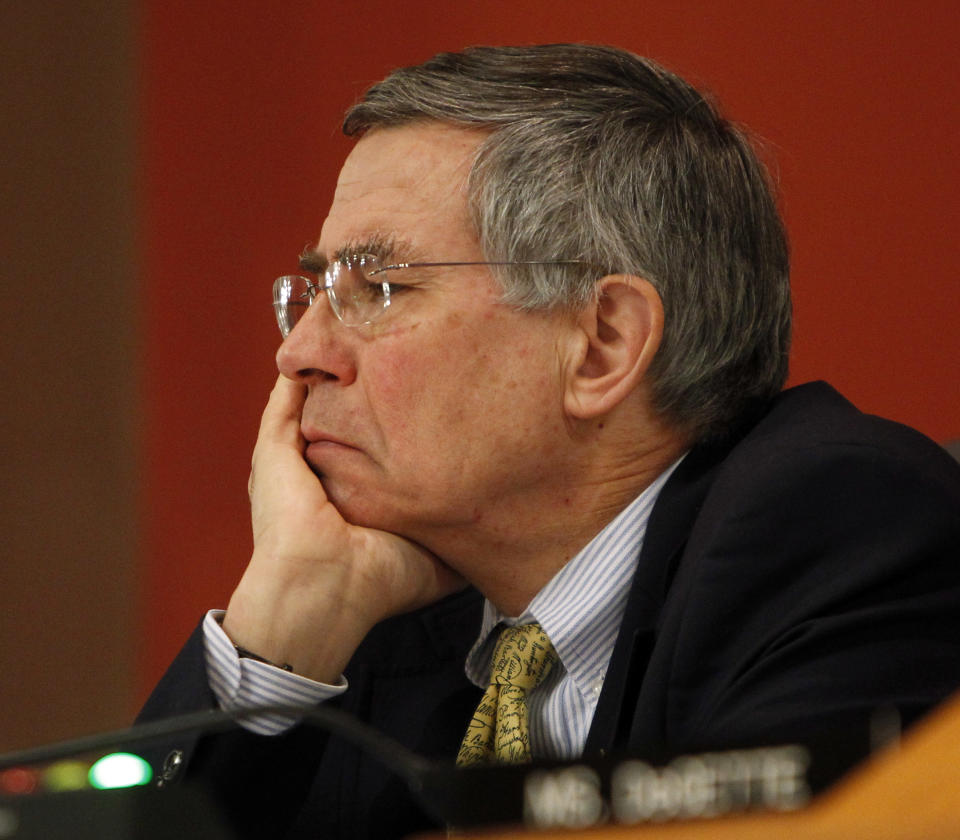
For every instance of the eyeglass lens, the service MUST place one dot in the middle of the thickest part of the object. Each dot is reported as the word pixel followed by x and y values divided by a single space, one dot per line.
pixel 292 294
pixel 355 294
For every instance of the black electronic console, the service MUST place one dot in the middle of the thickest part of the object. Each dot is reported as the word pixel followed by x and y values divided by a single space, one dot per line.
pixel 57 802
pixel 139 813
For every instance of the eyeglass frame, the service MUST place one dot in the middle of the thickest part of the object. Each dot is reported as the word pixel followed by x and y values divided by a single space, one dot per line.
pixel 329 283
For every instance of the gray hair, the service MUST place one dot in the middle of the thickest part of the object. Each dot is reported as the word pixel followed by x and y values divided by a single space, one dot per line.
pixel 598 155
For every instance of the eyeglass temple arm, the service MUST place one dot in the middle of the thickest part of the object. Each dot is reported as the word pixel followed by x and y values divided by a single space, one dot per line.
pixel 395 266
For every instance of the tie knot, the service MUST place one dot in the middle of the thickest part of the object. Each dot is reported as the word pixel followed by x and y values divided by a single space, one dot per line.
pixel 523 657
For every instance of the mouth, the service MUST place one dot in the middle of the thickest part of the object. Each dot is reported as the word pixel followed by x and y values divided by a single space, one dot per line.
pixel 322 455
pixel 328 443
pixel 317 438
pixel 323 450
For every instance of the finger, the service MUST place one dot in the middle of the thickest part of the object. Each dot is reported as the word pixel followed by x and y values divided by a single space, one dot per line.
pixel 280 421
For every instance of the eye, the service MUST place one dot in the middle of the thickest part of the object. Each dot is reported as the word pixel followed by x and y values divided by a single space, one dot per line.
pixel 398 288
pixel 393 276
pixel 375 289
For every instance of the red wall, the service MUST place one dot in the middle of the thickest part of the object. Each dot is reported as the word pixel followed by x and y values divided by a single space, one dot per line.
pixel 240 150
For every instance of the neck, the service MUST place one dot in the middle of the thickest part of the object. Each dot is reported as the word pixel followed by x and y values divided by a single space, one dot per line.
pixel 514 548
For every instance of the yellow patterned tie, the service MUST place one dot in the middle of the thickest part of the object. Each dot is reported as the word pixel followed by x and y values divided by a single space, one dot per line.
pixel 499 730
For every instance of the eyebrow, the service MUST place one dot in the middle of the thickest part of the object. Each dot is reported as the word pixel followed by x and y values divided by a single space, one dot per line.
pixel 313 261
pixel 381 246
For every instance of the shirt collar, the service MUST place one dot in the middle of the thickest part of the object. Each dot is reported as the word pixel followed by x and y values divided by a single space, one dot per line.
pixel 581 607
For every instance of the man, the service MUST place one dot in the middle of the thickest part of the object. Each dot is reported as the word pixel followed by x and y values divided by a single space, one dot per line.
pixel 535 381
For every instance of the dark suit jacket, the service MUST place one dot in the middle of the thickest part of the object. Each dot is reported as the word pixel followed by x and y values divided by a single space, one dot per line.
pixel 794 578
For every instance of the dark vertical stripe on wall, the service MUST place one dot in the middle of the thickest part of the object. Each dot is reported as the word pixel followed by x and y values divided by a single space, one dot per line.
pixel 68 574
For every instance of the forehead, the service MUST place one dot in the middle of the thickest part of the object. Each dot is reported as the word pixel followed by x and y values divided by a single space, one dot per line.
pixel 409 184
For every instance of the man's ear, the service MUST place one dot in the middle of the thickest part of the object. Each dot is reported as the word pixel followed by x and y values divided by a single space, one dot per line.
pixel 619 333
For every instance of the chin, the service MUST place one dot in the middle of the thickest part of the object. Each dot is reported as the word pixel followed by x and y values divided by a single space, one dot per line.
pixel 355 505
pixel 365 510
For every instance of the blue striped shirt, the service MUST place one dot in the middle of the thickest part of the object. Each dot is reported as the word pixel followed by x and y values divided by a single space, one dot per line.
pixel 580 610
pixel 241 683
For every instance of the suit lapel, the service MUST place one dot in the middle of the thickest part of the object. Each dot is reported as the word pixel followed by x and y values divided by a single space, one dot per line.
pixel 670 523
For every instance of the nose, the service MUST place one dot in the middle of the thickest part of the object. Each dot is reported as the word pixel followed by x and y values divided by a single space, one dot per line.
pixel 317 349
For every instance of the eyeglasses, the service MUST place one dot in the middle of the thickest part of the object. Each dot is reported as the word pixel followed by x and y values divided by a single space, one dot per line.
pixel 356 287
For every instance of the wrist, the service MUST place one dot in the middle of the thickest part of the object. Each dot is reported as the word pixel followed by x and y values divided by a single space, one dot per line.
pixel 312 634
pixel 243 653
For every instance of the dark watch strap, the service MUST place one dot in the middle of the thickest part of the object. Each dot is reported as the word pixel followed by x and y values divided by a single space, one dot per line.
pixel 249 654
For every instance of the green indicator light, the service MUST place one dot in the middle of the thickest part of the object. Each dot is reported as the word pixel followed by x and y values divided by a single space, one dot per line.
pixel 120 770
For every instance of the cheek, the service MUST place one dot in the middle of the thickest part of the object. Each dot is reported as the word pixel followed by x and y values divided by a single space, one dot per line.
pixel 464 389
pixel 415 389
